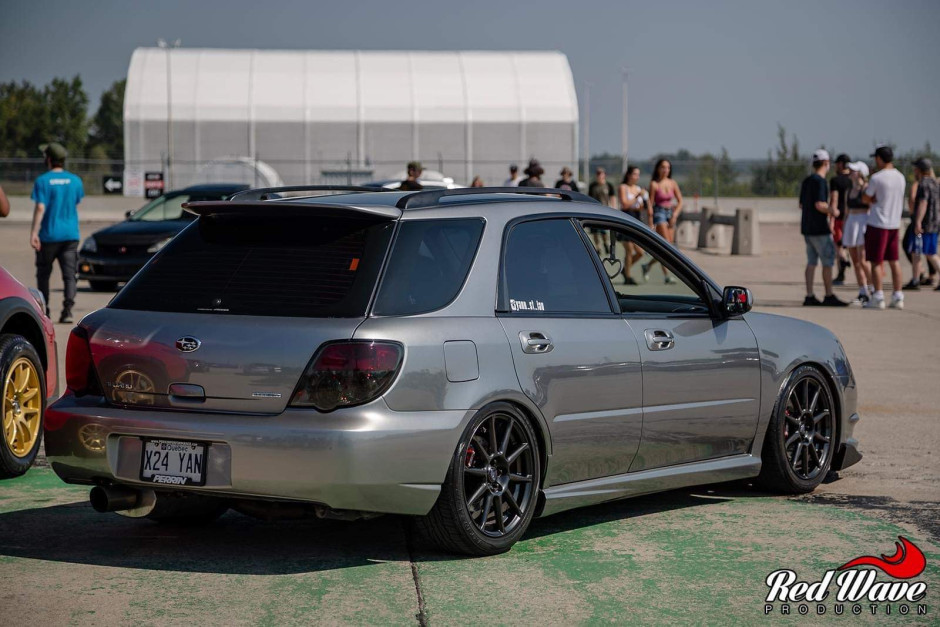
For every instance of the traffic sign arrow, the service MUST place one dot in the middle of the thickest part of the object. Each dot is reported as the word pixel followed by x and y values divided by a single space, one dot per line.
pixel 112 185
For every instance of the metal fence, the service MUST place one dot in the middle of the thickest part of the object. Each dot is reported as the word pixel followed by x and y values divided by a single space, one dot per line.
pixel 705 178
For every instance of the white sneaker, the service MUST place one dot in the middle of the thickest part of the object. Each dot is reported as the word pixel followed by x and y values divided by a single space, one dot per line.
pixel 875 303
pixel 896 303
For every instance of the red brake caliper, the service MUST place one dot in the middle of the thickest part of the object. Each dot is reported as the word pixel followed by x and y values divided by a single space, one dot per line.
pixel 471 455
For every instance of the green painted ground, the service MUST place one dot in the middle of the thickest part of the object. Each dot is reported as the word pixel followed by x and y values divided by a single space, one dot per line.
pixel 697 557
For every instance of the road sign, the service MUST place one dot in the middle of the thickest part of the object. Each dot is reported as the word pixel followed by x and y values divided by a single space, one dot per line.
pixel 153 184
pixel 112 184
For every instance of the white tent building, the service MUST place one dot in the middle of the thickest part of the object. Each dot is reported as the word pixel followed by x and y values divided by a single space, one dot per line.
pixel 322 116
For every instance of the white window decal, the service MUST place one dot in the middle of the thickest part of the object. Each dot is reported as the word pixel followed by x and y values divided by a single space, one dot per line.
pixel 526 305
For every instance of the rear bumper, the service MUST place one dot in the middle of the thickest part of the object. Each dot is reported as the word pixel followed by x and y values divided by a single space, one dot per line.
pixel 367 458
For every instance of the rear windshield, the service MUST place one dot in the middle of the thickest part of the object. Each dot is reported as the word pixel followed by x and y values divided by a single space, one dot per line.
pixel 428 265
pixel 300 267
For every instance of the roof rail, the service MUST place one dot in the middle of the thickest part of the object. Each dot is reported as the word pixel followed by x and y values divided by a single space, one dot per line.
pixel 266 193
pixel 431 197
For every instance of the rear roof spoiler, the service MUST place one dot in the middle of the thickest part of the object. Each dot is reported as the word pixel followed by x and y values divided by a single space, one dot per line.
pixel 286 209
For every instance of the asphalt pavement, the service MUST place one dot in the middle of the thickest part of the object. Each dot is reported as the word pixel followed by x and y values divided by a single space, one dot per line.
pixel 698 555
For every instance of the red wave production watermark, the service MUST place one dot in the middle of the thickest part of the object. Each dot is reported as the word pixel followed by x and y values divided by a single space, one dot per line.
pixel 859 587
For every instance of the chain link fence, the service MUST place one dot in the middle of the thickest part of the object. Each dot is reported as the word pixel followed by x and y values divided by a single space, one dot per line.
pixel 704 177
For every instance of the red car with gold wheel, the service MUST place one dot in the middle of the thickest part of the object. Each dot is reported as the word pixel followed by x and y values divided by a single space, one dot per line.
pixel 27 373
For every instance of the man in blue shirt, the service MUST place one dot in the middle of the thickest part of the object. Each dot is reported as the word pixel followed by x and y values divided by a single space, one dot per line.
pixel 55 235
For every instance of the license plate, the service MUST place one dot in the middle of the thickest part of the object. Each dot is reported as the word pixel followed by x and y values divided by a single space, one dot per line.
pixel 172 462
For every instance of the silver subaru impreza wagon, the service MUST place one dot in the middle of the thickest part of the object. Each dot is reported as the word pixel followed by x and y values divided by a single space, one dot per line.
pixel 467 357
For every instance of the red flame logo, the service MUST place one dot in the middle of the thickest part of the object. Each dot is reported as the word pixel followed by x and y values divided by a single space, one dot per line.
pixel 908 561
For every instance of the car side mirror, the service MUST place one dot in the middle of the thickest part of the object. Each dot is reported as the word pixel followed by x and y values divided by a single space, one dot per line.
pixel 736 300
pixel 128 213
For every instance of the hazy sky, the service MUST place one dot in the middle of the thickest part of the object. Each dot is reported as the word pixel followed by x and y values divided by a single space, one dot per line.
pixel 702 74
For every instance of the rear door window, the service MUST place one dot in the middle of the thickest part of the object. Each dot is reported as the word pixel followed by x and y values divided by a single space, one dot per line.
pixel 428 265
pixel 548 270
pixel 298 267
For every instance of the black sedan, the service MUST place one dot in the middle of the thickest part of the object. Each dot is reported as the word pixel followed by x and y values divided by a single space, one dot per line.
pixel 114 254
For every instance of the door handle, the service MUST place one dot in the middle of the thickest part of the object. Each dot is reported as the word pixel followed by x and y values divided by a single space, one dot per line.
pixel 535 342
pixel 659 340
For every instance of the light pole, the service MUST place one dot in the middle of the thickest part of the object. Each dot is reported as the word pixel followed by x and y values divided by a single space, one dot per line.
pixel 162 43
pixel 586 139
pixel 624 137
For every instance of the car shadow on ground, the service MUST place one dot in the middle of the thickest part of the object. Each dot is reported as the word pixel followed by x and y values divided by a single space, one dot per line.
pixel 638 507
pixel 236 544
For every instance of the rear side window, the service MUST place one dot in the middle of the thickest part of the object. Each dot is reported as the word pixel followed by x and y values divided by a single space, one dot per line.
pixel 548 271
pixel 297 267
pixel 428 266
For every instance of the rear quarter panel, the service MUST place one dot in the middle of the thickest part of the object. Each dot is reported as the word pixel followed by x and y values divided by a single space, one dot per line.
pixel 423 383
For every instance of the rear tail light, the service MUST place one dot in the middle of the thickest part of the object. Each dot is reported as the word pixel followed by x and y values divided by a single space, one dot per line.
pixel 79 368
pixel 344 374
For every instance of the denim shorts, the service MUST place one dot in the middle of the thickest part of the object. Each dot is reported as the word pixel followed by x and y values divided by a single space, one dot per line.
pixel 820 247
pixel 661 215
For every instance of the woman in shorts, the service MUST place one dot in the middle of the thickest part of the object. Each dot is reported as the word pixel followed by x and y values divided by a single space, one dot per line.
pixel 853 231
pixel 633 201
pixel 666 197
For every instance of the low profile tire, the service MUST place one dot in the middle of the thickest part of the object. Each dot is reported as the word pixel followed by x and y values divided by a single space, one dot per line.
pixel 103 286
pixel 801 439
pixel 23 404
pixel 491 490
pixel 187 509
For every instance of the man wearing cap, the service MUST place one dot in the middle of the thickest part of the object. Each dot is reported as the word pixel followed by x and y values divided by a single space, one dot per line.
pixel 926 218
pixel 411 184
pixel 566 181
pixel 814 225
pixel 885 194
pixel 839 186
pixel 533 175
pixel 54 233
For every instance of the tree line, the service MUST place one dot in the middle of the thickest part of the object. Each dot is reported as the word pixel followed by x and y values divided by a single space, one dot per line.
pixel 31 115
pixel 780 174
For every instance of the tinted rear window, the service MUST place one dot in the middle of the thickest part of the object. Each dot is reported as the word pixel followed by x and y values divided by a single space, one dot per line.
pixel 299 267
pixel 428 265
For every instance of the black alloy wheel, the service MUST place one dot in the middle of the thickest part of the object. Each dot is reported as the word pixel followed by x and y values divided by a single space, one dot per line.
pixel 497 475
pixel 491 491
pixel 802 437
pixel 808 428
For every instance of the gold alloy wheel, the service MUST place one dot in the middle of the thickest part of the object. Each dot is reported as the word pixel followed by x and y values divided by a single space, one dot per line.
pixel 22 407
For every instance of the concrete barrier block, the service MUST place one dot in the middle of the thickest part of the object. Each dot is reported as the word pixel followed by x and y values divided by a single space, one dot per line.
pixel 746 236
pixel 710 235
pixel 687 234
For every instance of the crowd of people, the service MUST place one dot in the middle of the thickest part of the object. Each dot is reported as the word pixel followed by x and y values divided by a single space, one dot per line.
pixel 854 220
